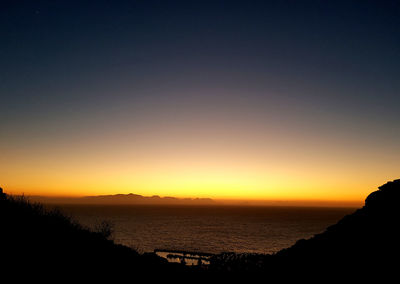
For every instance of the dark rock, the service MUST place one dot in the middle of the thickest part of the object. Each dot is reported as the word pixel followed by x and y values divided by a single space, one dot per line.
pixel 362 245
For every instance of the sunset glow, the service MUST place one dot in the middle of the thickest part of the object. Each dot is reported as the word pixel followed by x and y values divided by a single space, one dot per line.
pixel 153 102
pixel 262 164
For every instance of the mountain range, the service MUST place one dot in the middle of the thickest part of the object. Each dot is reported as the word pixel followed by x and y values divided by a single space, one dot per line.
pixel 123 199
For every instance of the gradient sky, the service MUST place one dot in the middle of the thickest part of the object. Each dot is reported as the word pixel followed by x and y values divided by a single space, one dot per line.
pixel 222 99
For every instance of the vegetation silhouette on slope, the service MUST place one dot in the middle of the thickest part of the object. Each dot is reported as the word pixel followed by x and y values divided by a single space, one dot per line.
pixel 35 238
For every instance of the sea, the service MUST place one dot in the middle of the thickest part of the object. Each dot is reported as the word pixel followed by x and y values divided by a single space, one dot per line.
pixel 208 229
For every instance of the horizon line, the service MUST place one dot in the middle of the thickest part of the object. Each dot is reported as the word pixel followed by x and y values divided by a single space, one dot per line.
pixel 218 201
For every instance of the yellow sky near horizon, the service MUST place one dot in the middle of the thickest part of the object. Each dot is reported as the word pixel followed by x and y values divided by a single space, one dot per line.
pixel 187 169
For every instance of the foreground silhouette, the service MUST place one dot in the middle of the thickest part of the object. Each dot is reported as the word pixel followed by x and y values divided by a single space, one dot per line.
pixel 361 245
pixel 45 243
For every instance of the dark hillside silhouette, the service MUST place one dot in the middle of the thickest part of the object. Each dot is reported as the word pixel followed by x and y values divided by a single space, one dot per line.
pixel 44 243
pixel 361 245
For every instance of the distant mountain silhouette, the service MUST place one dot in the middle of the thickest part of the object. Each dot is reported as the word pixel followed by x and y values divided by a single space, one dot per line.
pixel 364 243
pixel 124 199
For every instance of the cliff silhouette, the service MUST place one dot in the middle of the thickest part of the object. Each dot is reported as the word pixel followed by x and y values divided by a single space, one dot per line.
pixel 363 244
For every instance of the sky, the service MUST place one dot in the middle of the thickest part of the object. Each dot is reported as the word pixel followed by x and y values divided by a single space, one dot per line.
pixel 274 100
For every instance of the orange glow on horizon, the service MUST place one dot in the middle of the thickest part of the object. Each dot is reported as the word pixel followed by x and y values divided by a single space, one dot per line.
pixel 243 182
pixel 193 160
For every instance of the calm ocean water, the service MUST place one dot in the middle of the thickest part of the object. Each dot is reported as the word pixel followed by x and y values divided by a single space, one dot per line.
pixel 210 229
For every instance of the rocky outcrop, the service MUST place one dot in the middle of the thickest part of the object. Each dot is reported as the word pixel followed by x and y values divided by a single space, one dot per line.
pixel 363 244
pixel 366 241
